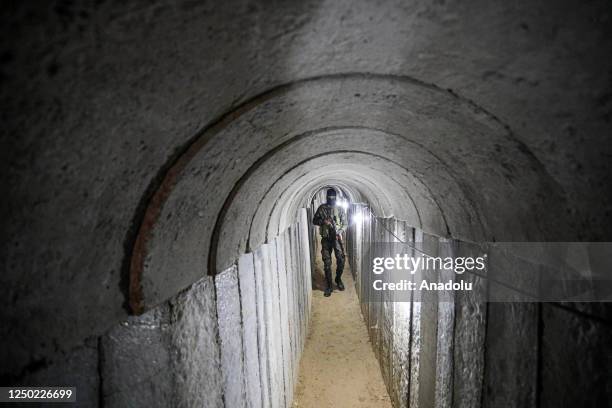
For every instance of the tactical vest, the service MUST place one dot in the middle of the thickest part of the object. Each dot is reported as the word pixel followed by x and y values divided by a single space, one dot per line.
pixel 329 231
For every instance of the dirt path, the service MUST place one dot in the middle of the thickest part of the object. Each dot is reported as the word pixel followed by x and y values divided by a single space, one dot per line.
pixel 338 367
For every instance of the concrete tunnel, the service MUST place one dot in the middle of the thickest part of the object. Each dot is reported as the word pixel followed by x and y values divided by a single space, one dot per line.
pixel 160 161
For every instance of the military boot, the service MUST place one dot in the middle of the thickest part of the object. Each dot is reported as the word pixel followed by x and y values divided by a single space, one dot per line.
pixel 328 283
pixel 339 283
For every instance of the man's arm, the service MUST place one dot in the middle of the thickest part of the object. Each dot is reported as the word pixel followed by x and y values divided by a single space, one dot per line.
pixel 318 217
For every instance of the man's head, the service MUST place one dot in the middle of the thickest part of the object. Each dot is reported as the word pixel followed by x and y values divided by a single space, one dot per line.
pixel 331 196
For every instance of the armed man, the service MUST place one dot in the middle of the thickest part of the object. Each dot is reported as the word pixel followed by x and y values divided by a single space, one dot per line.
pixel 331 220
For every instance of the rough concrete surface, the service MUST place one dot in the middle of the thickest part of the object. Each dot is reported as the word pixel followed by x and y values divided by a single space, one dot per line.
pixel 210 345
pixel 230 335
pixel 579 348
pixel 283 300
pixel 80 369
pixel 260 260
pixel 195 357
pixel 273 325
pixel 93 117
pixel 146 145
pixel 459 350
pixel 469 338
pixel 248 306
pixel 136 361
pixel 512 355
pixel 445 340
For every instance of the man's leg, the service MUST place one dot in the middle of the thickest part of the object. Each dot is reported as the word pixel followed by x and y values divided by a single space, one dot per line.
pixel 339 263
pixel 326 248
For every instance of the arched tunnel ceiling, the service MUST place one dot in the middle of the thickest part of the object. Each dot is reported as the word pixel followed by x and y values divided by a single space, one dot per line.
pixel 366 182
pixel 462 159
pixel 383 184
pixel 100 104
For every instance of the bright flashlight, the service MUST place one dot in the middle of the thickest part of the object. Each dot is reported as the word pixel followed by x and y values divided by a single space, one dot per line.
pixel 360 217
pixel 342 203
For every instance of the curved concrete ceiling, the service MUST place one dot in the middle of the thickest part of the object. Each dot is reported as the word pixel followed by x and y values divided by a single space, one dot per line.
pixel 459 162
pixel 146 116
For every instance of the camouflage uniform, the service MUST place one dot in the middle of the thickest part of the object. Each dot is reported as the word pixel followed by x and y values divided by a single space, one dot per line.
pixel 329 242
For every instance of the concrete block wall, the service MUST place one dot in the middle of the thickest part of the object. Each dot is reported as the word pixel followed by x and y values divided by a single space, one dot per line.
pixel 169 356
pixel 135 357
pixel 458 350
pixel 487 119
pixel 232 340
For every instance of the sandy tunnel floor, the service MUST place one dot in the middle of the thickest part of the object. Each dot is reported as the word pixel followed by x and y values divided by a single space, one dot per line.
pixel 338 367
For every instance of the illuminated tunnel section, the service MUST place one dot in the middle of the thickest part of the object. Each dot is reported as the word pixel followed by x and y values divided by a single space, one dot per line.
pixel 452 162
pixel 427 165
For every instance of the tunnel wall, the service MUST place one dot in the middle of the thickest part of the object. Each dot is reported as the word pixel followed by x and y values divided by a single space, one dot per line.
pixel 101 98
pixel 458 350
pixel 232 340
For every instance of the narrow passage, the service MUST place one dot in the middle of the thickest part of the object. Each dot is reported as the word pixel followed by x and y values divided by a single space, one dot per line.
pixel 338 367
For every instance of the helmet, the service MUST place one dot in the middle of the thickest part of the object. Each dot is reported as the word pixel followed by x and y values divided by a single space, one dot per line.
pixel 331 195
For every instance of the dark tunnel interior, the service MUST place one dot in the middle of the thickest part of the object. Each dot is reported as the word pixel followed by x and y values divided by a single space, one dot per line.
pixel 162 161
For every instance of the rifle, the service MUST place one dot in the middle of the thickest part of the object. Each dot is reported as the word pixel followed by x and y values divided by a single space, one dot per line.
pixel 331 229
pixel 335 235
